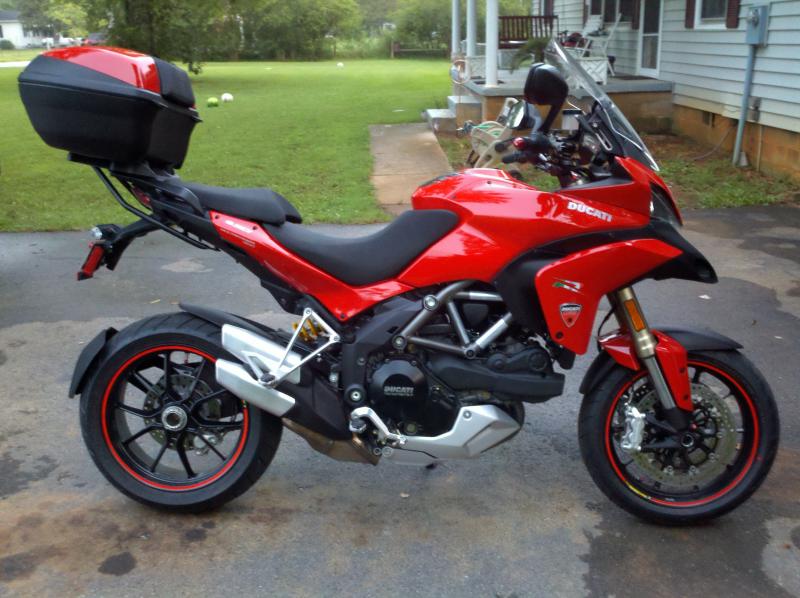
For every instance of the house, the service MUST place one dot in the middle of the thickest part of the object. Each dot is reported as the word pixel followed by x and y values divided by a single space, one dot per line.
pixel 693 53
pixel 11 29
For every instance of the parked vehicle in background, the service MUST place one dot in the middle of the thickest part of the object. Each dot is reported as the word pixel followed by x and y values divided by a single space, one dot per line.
pixel 95 39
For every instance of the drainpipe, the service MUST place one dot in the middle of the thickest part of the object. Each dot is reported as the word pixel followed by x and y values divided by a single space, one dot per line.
pixel 455 29
pixel 492 41
pixel 748 84
pixel 472 29
pixel 755 36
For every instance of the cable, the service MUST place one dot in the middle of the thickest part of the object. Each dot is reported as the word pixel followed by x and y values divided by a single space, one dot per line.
pixel 716 147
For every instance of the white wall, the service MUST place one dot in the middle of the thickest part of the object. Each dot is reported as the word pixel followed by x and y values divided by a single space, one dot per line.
pixel 707 66
pixel 13 32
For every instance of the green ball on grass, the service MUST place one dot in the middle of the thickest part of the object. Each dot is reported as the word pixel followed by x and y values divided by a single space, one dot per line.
pixel 212 102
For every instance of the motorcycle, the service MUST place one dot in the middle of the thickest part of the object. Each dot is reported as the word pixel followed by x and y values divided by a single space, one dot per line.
pixel 419 343
pixel 491 139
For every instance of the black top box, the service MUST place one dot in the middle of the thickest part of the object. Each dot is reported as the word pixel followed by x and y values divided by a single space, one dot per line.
pixel 110 104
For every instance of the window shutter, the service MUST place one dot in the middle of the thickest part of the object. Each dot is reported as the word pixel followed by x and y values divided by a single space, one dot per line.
pixel 585 12
pixel 635 14
pixel 689 17
pixel 732 16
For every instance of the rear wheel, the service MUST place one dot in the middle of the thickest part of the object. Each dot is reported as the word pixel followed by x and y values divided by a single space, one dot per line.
pixel 162 430
pixel 683 477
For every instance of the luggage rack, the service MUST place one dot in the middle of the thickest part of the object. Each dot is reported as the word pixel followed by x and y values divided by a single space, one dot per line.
pixel 118 172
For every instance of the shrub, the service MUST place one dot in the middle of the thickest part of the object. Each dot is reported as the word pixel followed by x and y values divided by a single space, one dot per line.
pixel 6 44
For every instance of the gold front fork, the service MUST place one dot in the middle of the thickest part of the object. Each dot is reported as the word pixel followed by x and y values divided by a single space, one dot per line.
pixel 629 313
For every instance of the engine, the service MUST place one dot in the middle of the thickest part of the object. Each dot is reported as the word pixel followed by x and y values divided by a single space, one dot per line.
pixel 400 392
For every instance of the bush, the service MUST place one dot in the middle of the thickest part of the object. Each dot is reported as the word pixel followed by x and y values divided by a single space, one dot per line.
pixel 366 47
pixel 5 44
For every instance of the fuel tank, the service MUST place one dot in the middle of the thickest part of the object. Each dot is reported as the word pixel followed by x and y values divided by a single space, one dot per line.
pixel 501 217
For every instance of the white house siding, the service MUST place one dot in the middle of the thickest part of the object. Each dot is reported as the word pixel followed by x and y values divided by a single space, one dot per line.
pixel 623 46
pixel 570 14
pixel 12 31
pixel 707 66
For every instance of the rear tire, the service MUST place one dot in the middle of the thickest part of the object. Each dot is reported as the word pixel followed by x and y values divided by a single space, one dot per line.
pixel 210 417
pixel 644 497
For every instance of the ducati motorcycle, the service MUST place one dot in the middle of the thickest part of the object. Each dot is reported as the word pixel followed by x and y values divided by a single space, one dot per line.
pixel 419 343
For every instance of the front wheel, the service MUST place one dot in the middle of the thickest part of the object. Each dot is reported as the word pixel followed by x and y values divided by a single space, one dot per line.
pixel 693 476
pixel 160 427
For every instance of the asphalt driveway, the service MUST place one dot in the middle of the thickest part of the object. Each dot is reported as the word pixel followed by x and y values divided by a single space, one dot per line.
pixel 523 520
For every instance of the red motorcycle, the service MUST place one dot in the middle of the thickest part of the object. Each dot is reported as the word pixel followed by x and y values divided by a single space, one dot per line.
pixel 418 343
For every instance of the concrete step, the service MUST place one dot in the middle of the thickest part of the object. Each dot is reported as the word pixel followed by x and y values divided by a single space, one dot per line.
pixel 465 107
pixel 441 120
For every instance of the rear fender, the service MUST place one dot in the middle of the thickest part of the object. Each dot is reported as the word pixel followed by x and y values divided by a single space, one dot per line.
pixel 88 359
pixel 617 350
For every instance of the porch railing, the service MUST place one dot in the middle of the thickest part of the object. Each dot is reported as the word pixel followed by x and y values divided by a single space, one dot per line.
pixel 517 29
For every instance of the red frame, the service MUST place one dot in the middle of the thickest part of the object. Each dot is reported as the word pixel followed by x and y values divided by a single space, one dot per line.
pixel 501 218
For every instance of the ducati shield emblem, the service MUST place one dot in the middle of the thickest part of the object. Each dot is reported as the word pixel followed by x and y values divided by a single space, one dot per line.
pixel 570 313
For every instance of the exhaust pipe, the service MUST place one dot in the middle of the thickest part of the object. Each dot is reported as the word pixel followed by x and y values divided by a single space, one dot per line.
pixel 239 381
pixel 263 356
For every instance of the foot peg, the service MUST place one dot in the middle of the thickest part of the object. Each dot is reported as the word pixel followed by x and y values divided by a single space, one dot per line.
pixel 358 425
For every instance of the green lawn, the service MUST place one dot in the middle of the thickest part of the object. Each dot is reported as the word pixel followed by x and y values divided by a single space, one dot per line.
pixel 18 55
pixel 299 128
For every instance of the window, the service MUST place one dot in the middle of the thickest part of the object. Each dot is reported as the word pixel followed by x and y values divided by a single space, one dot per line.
pixel 713 9
pixel 611 8
pixel 1 32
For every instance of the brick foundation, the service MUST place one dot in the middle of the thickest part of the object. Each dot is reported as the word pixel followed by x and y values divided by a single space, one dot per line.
pixel 780 149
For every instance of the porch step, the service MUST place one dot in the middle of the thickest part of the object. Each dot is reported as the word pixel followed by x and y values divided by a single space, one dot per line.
pixel 441 120
pixel 465 107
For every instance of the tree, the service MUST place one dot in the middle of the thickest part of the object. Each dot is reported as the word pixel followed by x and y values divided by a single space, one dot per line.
pixel 376 12
pixel 56 17
pixel 423 22
pixel 279 29
pixel 170 29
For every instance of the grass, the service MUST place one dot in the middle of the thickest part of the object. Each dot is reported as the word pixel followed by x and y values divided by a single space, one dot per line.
pixel 709 183
pixel 18 55
pixel 299 128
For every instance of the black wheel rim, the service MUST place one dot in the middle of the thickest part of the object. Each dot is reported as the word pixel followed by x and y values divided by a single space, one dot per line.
pixel 167 421
pixel 692 474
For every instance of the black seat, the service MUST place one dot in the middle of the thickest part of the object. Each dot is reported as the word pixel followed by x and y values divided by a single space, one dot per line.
pixel 365 260
pixel 259 205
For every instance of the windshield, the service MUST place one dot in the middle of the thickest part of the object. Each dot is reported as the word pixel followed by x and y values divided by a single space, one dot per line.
pixel 579 79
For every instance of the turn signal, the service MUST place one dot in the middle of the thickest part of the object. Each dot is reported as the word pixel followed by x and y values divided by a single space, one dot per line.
pixel 636 318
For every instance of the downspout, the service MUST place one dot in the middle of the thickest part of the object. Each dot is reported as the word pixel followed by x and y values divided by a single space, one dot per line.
pixel 755 35
pixel 748 85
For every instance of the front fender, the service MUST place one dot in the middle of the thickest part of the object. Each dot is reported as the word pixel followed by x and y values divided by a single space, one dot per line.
pixel 691 340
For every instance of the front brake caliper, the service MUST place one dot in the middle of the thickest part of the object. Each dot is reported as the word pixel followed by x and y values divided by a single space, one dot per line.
pixel 634 430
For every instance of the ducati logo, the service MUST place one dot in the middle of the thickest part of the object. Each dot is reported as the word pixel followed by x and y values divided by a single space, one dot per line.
pixel 569 285
pixel 570 313
pixel 589 211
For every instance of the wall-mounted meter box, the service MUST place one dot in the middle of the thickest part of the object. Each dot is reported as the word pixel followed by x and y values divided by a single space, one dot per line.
pixel 757 21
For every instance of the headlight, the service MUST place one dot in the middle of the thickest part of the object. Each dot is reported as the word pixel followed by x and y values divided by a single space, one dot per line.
pixel 661 208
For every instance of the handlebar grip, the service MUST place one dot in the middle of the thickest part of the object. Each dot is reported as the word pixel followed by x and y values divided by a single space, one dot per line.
pixel 515 157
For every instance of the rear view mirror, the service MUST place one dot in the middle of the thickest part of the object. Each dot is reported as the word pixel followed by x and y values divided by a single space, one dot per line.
pixel 545 86
pixel 523 116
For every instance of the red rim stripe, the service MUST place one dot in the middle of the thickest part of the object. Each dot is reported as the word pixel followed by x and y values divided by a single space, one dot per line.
pixel 181 488
pixel 690 503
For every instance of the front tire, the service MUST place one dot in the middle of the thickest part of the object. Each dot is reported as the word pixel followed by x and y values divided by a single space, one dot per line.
pixel 735 441
pixel 160 428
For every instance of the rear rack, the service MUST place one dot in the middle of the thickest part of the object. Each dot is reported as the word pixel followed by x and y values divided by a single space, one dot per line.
pixel 182 235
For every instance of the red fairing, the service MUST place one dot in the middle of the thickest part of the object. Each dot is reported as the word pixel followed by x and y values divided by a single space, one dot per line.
pixel 131 67
pixel 671 355
pixel 570 289
pixel 338 297
pixel 500 219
